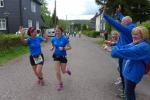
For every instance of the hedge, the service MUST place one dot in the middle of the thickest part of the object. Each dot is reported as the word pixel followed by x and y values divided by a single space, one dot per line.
pixel 92 33
pixel 8 41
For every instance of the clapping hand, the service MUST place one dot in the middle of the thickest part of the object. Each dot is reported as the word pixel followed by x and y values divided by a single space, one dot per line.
pixel 21 30
pixel 119 8
pixel 104 8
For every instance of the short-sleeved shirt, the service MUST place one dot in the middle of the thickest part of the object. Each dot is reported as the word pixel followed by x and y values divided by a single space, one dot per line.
pixel 34 45
pixel 59 42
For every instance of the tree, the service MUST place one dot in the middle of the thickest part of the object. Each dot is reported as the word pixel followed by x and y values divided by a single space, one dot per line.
pixel 45 14
pixel 44 9
pixel 54 19
pixel 77 27
pixel 83 27
pixel 139 10
pixel 64 24
pixel 48 21
pixel 134 8
pixel 111 5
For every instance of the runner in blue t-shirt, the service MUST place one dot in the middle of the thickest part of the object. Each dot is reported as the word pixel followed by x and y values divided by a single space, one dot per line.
pixel 36 56
pixel 60 44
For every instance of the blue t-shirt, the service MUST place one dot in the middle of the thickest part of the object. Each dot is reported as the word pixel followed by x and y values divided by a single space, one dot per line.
pixel 59 42
pixel 136 55
pixel 34 45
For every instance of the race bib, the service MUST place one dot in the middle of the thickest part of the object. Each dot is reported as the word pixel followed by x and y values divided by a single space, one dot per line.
pixel 38 59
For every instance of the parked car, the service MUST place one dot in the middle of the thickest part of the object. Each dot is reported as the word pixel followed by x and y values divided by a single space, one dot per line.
pixel 50 32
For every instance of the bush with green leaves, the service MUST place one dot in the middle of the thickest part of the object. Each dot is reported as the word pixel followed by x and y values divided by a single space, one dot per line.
pixel 11 47
pixel 92 33
pixel 8 41
pixel 147 25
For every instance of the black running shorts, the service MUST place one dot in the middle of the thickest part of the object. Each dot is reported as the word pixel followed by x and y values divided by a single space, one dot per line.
pixel 62 59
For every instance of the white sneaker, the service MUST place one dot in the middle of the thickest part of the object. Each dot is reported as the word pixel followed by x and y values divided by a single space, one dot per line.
pixel 118 81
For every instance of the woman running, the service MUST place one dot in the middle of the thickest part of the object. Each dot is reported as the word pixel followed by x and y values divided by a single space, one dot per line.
pixel 60 44
pixel 36 56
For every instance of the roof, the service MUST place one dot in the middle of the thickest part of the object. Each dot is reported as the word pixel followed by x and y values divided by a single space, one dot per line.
pixel 94 18
pixel 38 2
pixel 96 15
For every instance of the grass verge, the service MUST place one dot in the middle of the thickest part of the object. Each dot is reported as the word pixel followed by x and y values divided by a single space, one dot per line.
pixel 12 53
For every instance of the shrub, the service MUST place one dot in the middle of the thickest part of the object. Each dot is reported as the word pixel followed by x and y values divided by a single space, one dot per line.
pixel 92 33
pixel 8 41
pixel 147 25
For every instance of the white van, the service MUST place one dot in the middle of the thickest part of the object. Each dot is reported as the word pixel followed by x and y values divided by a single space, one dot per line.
pixel 50 32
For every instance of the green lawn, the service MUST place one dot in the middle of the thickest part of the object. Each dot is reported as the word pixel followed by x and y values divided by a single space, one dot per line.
pixel 12 53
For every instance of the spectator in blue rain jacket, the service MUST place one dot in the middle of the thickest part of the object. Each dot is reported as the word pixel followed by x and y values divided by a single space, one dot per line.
pixel 125 37
pixel 137 54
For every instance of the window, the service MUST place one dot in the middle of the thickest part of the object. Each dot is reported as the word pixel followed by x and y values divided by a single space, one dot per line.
pixel 33 6
pixel 29 23
pixel 1 3
pixel 37 24
pixel 2 24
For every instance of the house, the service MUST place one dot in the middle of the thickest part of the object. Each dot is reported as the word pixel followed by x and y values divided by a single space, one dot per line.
pixel 93 21
pixel 14 13
pixel 99 22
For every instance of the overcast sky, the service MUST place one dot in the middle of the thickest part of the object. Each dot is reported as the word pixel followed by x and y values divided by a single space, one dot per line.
pixel 73 9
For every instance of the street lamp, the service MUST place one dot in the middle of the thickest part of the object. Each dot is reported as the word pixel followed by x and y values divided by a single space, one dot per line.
pixel 6 14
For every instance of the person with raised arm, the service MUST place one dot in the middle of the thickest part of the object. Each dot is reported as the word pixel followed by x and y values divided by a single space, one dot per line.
pixel 125 37
pixel 36 56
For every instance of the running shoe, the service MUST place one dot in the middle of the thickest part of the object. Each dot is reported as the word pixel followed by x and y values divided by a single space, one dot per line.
pixel 69 72
pixel 118 81
pixel 60 87
pixel 42 83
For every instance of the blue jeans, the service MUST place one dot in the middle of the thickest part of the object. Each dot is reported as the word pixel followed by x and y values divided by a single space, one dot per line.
pixel 130 90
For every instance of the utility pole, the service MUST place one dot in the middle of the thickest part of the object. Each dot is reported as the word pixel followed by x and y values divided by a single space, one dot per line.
pixel 55 15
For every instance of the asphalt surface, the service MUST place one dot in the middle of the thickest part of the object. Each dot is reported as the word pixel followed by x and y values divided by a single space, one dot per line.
pixel 93 75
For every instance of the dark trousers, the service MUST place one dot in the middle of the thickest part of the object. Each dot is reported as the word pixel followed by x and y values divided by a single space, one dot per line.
pixel 120 61
pixel 106 36
pixel 130 90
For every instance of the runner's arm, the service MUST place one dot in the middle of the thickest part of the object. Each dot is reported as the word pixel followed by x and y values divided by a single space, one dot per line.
pixel 67 47
pixel 51 47
pixel 21 29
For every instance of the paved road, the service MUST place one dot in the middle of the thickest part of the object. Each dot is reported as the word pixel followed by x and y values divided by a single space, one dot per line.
pixel 93 75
